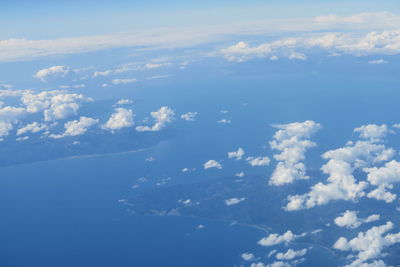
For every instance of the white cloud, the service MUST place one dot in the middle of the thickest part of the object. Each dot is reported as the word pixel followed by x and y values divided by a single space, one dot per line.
pixel 123 81
pixel 120 119
pixel 224 121
pixel 189 116
pixel 342 162
pixel 349 219
pixel 275 239
pixel 234 201
pixel 291 254
pixel 373 131
pixel 179 37
pixel 381 193
pixel 292 140
pixel 377 61
pixel 297 55
pixel 33 127
pixel 53 72
pixel 247 256
pixel 258 161
pixel 76 127
pixel 369 244
pixel 236 154
pixel 124 102
pixel 212 164
pixel 162 116
pixel 240 174
pixel 389 173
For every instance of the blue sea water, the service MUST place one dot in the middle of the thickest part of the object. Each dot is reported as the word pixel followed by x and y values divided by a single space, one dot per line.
pixel 66 213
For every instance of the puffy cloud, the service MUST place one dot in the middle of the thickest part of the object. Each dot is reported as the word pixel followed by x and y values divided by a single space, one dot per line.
pixel 390 173
pixel 349 219
pixel 33 127
pixel 381 193
pixel 275 239
pixel 54 104
pixel 291 254
pixel 190 116
pixel 342 162
pixel 8 116
pixel 292 140
pixel 234 201
pixel 53 72
pixel 123 81
pixel 162 116
pixel 373 131
pixel 212 164
pixel 236 154
pixel 259 161
pixel 384 42
pixel 76 127
pixel 247 256
pixel 369 244
pixel 120 119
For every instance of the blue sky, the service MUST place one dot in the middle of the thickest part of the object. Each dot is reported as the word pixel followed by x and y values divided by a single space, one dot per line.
pixel 56 19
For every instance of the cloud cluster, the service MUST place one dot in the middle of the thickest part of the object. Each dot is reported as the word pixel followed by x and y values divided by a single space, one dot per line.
pixel 122 118
pixel 350 220
pixel 384 42
pixel 342 162
pixel 76 127
pixel 162 116
pixel 293 141
pixel 369 244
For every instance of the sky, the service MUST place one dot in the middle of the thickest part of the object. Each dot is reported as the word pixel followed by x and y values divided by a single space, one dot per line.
pixel 58 19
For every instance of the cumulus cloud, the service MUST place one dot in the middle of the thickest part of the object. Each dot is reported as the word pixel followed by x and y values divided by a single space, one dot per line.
pixel 258 161
pixel 162 116
pixel 212 164
pixel 275 239
pixel 120 119
pixel 55 104
pixel 53 72
pixel 189 116
pixel 369 244
pixel 349 219
pixel 383 42
pixel 373 131
pixel 33 127
pixel 76 127
pixel 234 201
pixel 342 162
pixel 236 154
pixel 291 254
pixel 292 140
pixel 247 256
